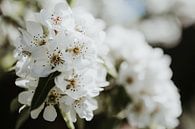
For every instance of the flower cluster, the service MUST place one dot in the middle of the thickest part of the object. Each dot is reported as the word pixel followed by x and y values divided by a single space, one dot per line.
pixel 145 74
pixel 161 21
pixel 64 58
pixel 67 42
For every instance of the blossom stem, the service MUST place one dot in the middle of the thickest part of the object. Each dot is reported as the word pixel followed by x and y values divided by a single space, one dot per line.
pixel 67 119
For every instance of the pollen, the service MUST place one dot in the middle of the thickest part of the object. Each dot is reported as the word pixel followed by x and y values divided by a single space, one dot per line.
pixel 56 20
pixel 26 53
pixel 77 103
pixel 56 58
pixel 73 82
pixel 39 40
pixel 77 49
pixel 53 97
pixel 129 80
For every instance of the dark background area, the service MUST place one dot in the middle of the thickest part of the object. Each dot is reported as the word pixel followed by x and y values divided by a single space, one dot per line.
pixel 183 66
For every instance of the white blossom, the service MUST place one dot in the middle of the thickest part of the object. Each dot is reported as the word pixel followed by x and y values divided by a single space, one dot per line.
pixel 70 42
pixel 83 106
pixel 184 9
pixel 57 18
pixel 54 97
pixel 146 76
pixel 159 6
pixel 164 30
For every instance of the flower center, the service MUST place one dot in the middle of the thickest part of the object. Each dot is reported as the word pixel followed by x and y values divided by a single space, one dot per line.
pixel 53 97
pixel 39 40
pixel 71 84
pixel 79 28
pixel 138 107
pixel 77 103
pixel 56 19
pixel 26 53
pixel 74 82
pixel 77 49
pixel 56 59
pixel 129 80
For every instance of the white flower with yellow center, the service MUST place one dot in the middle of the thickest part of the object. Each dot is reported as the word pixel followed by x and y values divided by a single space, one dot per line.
pixel 74 83
pixel 70 44
pixel 80 51
pixel 54 97
pixel 78 83
pixel 31 50
pixel 58 18
pixel 83 106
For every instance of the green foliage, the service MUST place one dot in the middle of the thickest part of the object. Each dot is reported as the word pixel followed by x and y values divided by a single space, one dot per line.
pixel 42 90
pixel 120 99
pixel 23 117
pixel 69 2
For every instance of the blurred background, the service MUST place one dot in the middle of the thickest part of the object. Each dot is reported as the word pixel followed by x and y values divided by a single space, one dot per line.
pixel 171 28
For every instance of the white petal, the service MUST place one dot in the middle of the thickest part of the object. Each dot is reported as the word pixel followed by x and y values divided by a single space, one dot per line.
pixel 88 116
pixel 35 113
pixel 73 115
pixel 26 37
pixel 25 97
pixel 21 108
pixel 50 113
pixel 34 28
pixel 62 6
pixel 68 100
pixel 93 103
pixel 64 107
pixel 21 82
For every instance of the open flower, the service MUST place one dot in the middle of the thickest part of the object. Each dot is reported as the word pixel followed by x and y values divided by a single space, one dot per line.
pixel 83 106
pixel 69 43
pixel 54 97
pixel 58 18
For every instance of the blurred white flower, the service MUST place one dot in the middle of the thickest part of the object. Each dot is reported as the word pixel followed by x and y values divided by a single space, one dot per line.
pixel 146 76
pixel 126 12
pixel 159 6
pixel 126 44
pixel 163 30
pixel 157 106
pixel 184 9
pixel 8 32
pixel 7 7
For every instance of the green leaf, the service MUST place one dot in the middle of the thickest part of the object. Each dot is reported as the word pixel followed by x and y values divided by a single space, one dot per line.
pixel 42 90
pixel 70 2
pixel 117 100
pixel 23 117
